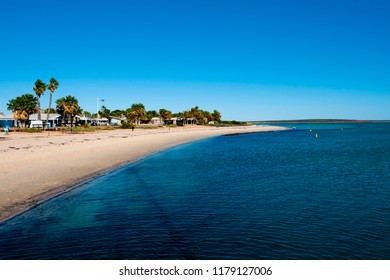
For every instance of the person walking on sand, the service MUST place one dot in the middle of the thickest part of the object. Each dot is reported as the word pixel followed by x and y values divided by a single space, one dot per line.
pixel 132 127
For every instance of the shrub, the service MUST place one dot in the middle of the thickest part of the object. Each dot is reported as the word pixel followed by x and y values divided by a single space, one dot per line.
pixel 32 130
pixel 126 125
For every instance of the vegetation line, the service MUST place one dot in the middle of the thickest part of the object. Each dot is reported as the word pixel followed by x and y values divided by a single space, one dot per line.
pixel 27 113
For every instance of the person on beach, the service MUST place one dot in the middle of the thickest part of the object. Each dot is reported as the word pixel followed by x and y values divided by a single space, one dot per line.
pixel 132 128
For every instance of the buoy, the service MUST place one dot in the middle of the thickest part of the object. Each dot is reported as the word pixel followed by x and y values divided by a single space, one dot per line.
pixel 311 130
pixel 316 135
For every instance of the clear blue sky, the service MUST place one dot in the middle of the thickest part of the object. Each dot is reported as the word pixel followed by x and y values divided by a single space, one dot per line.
pixel 250 59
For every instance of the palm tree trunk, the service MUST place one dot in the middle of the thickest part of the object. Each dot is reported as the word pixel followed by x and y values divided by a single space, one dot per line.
pixel 48 112
pixel 39 107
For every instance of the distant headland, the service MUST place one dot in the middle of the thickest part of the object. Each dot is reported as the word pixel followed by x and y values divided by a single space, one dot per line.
pixel 316 121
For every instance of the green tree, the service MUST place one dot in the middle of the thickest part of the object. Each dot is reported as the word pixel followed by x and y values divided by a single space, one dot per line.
pixel 61 109
pixel 117 113
pixel 22 107
pixel 151 114
pixel 208 116
pixel 187 114
pixel 217 116
pixel 52 111
pixel 68 106
pixel 104 112
pixel 52 87
pixel 165 114
pixel 197 114
pixel 137 113
pixel 40 88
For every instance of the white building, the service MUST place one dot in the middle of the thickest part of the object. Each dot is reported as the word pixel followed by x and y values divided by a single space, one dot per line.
pixel 156 121
pixel 54 119
pixel 117 121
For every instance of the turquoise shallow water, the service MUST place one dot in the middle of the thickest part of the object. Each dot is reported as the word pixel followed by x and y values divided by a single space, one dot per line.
pixel 282 195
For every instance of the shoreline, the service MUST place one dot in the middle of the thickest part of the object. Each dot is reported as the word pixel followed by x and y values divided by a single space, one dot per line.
pixel 38 168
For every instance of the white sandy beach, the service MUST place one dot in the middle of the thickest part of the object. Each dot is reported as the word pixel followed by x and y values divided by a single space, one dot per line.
pixel 35 167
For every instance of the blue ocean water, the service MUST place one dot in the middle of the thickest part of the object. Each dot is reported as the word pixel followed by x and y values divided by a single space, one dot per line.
pixel 280 195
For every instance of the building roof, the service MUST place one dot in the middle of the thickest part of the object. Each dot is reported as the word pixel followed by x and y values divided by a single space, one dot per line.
pixel 96 119
pixel 34 117
pixel 118 118
pixel 8 117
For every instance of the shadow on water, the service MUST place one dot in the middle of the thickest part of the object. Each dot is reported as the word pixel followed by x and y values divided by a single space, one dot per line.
pixel 176 238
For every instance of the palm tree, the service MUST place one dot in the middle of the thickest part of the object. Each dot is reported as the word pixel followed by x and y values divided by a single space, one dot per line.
pixel 197 114
pixel 61 109
pixel 52 87
pixel 138 111
pixel 73 108
pixel 216 115
pixel 208 116
pixel 22 107
pixel 104 112
pixel 152 114
pixel 39 89
pixel 68 106
pixel 187 115
pixel 117 113
pixel 87 114
pixel 165 114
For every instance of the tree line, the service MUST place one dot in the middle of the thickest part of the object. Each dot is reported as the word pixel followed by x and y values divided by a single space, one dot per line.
pixel 68 107
pixel 137 114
